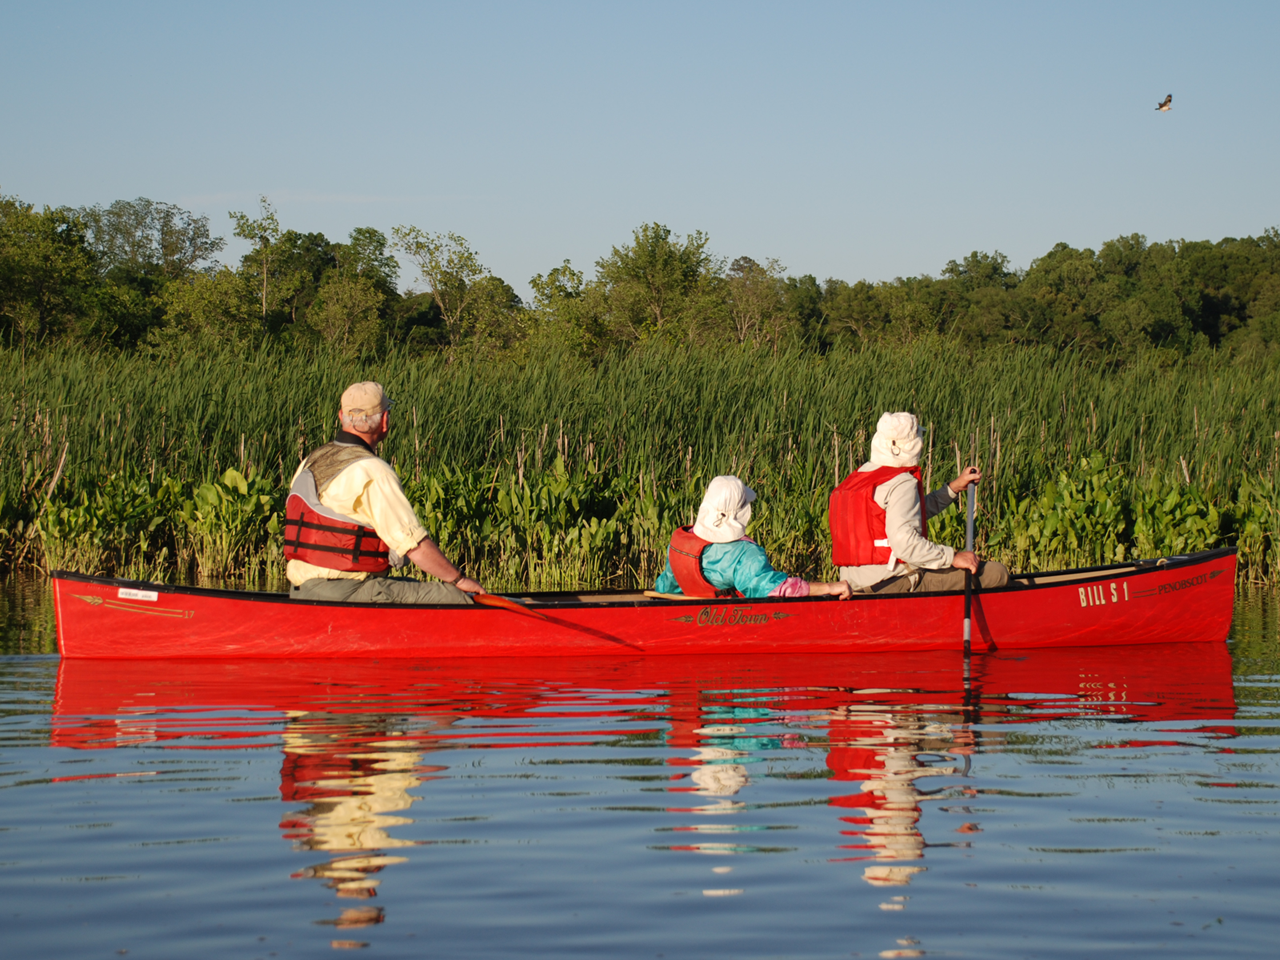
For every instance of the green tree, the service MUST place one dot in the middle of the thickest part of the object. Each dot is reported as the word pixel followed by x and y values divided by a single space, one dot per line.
pixel 346 312
pixel 658 284
pixel 497 318
pixel 1165 287
pixel 913 306
pixel 215 306
pixel 263 232
pixel 979 270
pixel 414 321
pixel 48 274
pixel 1262 327
pixel 297 268
pixel 854 310
pixel 1057 301
pixel 974 299
pixel 802 299
pixel 451 270
pixel 566 310
pixel 366 254
pixel 754 297
pixel 560 284
pixel 143 236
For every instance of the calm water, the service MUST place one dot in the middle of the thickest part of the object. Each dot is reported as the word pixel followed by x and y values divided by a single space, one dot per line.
pixel 1069 802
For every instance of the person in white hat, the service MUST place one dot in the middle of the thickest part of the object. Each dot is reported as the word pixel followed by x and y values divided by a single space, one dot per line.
pixel 348 522
pixel 878 516
pixel 716 558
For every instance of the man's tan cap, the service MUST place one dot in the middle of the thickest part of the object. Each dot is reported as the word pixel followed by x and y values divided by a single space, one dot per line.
pixel 362 399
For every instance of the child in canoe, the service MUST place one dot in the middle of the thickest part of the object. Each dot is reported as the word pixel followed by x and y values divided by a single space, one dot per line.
pixel 715 558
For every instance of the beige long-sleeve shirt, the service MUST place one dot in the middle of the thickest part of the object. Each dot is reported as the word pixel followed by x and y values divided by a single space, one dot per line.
pixel 901 504
pixel 369 492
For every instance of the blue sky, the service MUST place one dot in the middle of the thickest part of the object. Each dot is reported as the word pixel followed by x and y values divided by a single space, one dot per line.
pixel 847 140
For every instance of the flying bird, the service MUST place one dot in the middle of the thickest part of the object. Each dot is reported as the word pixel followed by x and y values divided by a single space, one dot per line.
pixel 1165 105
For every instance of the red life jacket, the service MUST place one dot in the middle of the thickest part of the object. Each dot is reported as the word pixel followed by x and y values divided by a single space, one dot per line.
pixel 333 544
pixel 685 557
pixel 315 534
pixel 858 535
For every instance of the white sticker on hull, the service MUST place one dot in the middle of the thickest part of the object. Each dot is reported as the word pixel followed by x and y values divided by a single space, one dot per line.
pixel 128 593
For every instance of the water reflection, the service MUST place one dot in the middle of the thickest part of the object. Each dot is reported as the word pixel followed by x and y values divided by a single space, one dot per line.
pixel 887 753
pixel 362 743
pixel 354 780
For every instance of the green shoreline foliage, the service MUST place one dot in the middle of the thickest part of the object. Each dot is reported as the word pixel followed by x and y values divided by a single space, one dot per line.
pixel 547 469
pixel 1122 401
pixel 143 275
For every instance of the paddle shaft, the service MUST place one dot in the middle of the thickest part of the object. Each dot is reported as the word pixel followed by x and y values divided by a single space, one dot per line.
pixel 503 603
pixel 968 577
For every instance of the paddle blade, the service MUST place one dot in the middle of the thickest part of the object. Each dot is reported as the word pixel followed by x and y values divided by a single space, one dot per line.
pixel 493 600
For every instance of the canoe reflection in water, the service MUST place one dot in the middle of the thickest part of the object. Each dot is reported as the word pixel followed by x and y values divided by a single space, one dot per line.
pixel 871 736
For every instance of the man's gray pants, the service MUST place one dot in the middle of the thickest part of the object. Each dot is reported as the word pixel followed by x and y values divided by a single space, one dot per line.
pixel 990 576
pixel 379 590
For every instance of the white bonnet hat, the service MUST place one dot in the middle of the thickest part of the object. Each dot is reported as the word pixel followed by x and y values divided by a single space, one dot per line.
pixel 725 511
pixel 897 441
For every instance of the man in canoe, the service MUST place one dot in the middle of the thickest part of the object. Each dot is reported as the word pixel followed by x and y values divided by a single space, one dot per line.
pixel 878 517
pixel 347 520
pixel 715 558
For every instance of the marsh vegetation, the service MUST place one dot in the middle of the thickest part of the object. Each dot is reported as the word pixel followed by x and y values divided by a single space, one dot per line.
pixel 553 470
pixel 1122 401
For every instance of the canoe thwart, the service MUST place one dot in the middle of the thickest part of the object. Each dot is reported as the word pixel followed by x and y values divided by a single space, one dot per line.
pixel 655 595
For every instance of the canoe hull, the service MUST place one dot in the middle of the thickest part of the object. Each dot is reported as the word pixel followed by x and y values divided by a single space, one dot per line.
pixel 1185 599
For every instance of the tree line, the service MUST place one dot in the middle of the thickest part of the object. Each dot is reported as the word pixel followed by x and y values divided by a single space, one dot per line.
pixel 144 275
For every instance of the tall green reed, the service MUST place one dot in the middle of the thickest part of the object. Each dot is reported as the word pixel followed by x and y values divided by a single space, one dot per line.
pixel 637 437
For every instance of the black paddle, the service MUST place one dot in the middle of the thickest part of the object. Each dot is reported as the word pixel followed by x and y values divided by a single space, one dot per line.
pixel 968 577
pixel 971 697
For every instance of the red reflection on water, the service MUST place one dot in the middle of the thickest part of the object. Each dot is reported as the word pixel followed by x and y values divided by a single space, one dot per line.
pixel 353 734
pixel 108 703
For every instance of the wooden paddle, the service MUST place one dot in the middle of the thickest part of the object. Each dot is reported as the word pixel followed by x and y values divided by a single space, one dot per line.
pixel 504 603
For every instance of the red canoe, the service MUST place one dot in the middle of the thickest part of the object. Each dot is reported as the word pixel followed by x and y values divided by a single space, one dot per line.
pixel 1182 599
